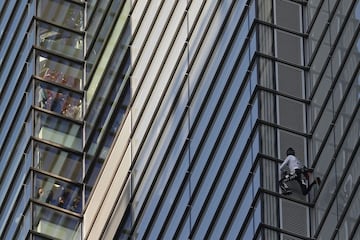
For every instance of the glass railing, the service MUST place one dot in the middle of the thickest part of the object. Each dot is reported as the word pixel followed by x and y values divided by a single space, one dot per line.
pixel 57 161
pixel 56 224
pixel 58 130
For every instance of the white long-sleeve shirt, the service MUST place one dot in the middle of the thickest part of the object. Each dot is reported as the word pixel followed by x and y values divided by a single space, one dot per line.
pixel 292 162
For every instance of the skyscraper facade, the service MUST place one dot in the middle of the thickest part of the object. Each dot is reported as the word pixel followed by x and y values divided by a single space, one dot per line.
pixel 63 95
pixel 132 119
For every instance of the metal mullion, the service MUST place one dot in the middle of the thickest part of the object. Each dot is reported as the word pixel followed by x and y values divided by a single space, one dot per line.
pixel 52 144
pixel 57 177
pixel 282 231
pixel 348 165
pixel 57 55
pixel 177 94
pixel 338 37
pixel 345 210
pixel 53 24
pixel 59 85
pixel 16 202
pixel 337 114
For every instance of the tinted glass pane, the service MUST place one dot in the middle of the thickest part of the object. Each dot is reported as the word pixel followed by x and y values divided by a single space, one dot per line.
pixel 288 15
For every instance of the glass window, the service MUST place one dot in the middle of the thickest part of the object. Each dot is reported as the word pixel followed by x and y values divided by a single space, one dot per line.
pixel 56 224
pixel 57 161
pixel 59 70
pixel 97 36
pixel 290 80
pixel 289 47
pixel 16 186
pixel 60 40
pixel 13 157
pixel 62 12
pixel 24 225
pixel 349 222
pixel 291 114
pixel 58 130
pixel 58 193
pixel 288 139
pixel 288 14
pixel 11 44
pixel 59 100
pixel 17 212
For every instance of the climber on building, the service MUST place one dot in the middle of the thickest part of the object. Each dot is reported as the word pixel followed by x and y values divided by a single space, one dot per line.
pixel 296 172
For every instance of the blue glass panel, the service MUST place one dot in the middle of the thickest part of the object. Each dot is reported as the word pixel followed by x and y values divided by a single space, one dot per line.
pixel 19 77
pixel 13 159
pixel 252 12
pixel 17 185
pixel 240 214
pixel 11 26
pixel 17 213
pixel 16 111
pixel 6 21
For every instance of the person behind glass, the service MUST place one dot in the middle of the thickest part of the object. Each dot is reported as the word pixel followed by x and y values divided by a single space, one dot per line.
pixel 50 197
pixel 42 97
pixel 40 194
pixel 75 206
pixel 57 103
pixel 63 199
pixel 294 166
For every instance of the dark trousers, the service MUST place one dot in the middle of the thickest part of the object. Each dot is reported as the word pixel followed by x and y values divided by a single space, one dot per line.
pixel 304 188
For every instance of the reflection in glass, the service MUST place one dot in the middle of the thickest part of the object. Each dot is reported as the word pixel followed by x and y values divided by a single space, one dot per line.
pixel 59 70
pixel 56 224
pixel 62 12
pixel 58 100
pixel 57 130
pixel 57 161
pixel 60 40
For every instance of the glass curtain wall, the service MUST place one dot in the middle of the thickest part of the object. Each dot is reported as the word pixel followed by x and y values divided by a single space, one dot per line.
pixel 57 93
pixel 282 113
